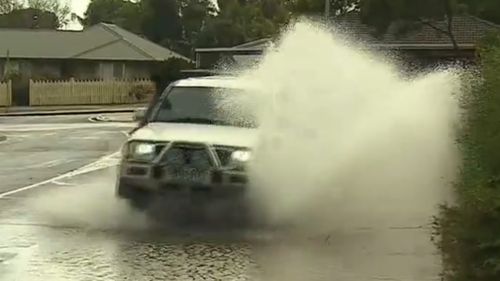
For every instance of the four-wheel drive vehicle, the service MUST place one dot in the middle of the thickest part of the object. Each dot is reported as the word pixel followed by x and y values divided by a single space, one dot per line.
pixel 188 144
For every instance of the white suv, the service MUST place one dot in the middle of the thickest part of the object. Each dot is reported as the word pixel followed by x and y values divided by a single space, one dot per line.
pixel 189 146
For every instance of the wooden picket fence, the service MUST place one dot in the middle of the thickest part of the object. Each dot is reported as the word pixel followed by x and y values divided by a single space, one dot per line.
pixel 89 92
pixel 6 93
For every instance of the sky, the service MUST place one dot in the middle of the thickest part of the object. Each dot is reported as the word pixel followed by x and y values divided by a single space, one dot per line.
pixel 79 6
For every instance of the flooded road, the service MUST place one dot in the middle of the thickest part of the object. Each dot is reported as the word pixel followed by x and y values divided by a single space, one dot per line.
pixel 59 220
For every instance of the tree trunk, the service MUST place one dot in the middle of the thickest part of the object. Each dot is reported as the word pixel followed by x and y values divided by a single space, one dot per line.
pixel 449 21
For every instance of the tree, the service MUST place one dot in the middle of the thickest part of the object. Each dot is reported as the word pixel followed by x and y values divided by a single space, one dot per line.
pixel 485 9
pixel 194 14
pixel 275 10
pixel 126 14
pixel 29 18
pixel 182 24
pixel 162 20
pixel 237 22
pixel 34 13
pixel 308 7
pixel 57 7
pixel 7 6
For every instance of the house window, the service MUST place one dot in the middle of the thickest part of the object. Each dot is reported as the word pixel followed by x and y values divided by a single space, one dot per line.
pixel 118 70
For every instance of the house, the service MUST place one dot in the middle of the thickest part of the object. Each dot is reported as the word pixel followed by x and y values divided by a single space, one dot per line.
pixel 241 55
pixel 102 51
pixel 421 46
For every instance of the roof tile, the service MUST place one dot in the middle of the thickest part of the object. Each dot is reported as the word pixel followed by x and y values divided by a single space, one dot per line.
pixel 466 29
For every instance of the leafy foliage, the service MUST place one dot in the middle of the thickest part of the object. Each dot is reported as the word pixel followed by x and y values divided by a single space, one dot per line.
pixel 337 7
pixel 486 9
pixel 236 23
pixel 7 6
pixel 469 230
pixel 29 18
pixel 194 15
pixel 166 72
pixel 33 13
pixel 184 24
pixel 162 20
pixel 59 8
pixel 141 93
pixel 126 14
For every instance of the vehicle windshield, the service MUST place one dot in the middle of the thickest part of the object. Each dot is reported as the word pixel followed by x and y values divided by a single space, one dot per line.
pixel 204 105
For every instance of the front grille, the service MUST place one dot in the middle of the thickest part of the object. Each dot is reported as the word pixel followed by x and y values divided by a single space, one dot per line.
pixel 137 171
pixel 187 162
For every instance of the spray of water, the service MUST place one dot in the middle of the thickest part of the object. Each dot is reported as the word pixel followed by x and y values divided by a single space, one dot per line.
pixel 345 139
pixel 90 205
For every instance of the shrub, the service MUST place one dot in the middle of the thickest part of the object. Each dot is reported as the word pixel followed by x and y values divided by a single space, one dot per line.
pixel 469 230
pixel 142 93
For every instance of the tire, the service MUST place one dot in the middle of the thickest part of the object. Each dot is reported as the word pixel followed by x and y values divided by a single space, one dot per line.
pixel 137 198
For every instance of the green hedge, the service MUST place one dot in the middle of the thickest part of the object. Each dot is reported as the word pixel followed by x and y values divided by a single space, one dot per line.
pixel 470 229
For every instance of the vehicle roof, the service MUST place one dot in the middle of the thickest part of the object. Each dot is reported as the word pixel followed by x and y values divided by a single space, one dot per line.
pixel 217 81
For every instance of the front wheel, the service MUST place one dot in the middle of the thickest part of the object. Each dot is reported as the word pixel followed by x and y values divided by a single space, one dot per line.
pixel 137 198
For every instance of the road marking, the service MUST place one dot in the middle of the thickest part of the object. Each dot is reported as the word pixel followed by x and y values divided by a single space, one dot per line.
pixel 48 134
pixel 46 164
pixel 53 127
pixel 50 164
pixel 102 163
pixel 86 138
pixel 17 136
pixel 62 183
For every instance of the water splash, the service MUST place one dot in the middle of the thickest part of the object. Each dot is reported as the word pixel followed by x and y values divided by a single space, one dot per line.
pixel 88 204
pixel 345 138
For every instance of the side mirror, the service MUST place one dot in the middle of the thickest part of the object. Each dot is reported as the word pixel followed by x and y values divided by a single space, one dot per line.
pixel 139 114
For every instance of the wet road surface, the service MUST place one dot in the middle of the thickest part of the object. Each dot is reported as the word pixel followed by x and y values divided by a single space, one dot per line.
pixel 59 221
pixel 39 148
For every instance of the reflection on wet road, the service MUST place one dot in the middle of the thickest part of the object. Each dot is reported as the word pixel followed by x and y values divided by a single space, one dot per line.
pixel 59 220
pixel 73 255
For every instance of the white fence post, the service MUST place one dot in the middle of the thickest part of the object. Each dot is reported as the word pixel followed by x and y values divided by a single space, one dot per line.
pixel 72 87
pixel 6 93
pixel 9 92
pixel 32 98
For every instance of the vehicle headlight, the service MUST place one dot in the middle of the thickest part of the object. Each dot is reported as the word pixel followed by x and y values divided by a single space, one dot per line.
pixel 141 151
pixel 240 156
